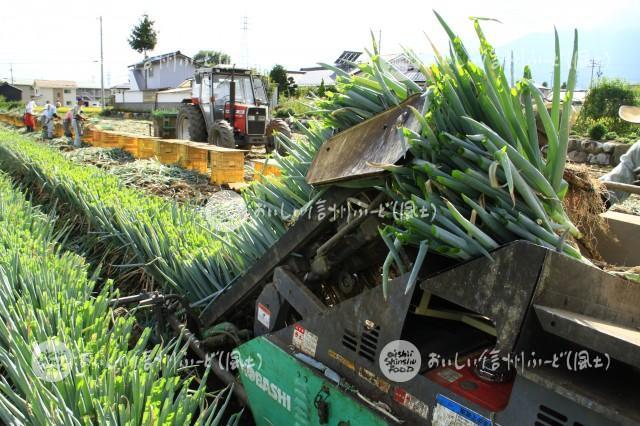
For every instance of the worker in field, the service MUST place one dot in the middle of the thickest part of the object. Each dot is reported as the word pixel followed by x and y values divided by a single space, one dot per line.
pixel 29 115
pixel 48 115
pixel 628 170
pixel 76 122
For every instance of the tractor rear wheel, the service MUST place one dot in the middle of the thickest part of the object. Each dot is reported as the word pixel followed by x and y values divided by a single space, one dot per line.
pixel 280 126
pixel 221 134
pixel 190 124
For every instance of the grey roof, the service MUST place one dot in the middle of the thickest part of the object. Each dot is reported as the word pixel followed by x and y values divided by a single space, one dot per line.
pixel 124 86
pixel 416 76
pixel 56 84
pixel 157 58
pixel 6 83
pixel 314 78
pixel 22 82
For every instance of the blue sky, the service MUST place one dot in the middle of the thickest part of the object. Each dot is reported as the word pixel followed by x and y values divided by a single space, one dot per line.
pixel 59 40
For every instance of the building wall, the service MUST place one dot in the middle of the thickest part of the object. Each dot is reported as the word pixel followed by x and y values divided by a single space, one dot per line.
pixel 174 97
pixel 27 92
pixel 145 106
pixel 94 93
pixel 169 74
pixel 45 94
pixel 67 96
pixel 129 96
pixel 144 101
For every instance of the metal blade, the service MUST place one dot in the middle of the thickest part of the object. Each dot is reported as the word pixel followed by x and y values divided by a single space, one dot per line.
pixel 352 153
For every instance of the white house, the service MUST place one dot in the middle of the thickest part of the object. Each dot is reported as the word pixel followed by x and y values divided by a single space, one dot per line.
pixel 161 72
pixel 149 78
pixel 63 91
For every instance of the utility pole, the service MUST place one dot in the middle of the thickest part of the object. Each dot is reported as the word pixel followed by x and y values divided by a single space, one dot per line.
pixel 245 37
pixel 512 71
pixel 11 70
pixel 593 64
pixel 102 101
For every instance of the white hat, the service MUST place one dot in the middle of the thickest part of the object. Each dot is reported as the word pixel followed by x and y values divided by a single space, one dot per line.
pixel 630 113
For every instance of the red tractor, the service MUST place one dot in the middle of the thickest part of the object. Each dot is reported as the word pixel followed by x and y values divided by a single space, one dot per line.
pixel 228 108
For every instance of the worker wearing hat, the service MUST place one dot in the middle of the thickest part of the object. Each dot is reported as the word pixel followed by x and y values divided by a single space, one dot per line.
pixel 628 170
pixel 49 113
pixel 29 114
pixel 76 122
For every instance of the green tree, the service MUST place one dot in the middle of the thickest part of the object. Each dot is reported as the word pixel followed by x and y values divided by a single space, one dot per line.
pixel 602 104
pixel 286 85
pixel 143 37
pixel 563 86
pixel 606 98
pixel 321 89
pixel 209 58
pixel 545 84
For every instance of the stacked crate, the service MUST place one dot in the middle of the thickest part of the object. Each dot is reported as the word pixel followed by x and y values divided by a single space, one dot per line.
pixel 262 167
pixel 96 137
pixel 129 143
pixel 169 151
pixel 110 139
pixel 146 147
pixel 195 156
pixel 227 165
pixel 58 130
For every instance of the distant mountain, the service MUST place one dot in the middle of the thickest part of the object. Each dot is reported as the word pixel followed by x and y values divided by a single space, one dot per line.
pixel 615 49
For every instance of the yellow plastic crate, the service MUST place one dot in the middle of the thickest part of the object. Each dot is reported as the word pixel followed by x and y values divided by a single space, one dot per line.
pixel 195 156
pixel 226 158
pixel 146 147
pixel 169 151
pixel 264 168
pixel 222 176
pixel 129 143
pixel 110 139
pixel 227 165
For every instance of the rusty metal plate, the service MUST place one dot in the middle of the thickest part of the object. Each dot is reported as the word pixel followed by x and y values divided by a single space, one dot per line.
pixel 354 152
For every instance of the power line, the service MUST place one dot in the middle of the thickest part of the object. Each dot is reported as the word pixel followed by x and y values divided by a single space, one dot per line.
pixel 49 62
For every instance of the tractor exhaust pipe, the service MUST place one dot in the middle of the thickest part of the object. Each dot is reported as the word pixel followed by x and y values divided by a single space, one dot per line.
pixel 232 98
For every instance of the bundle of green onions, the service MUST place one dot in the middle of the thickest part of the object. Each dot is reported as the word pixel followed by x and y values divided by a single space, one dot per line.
pixel 65 354
pixel 476 176
pixel 476 172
